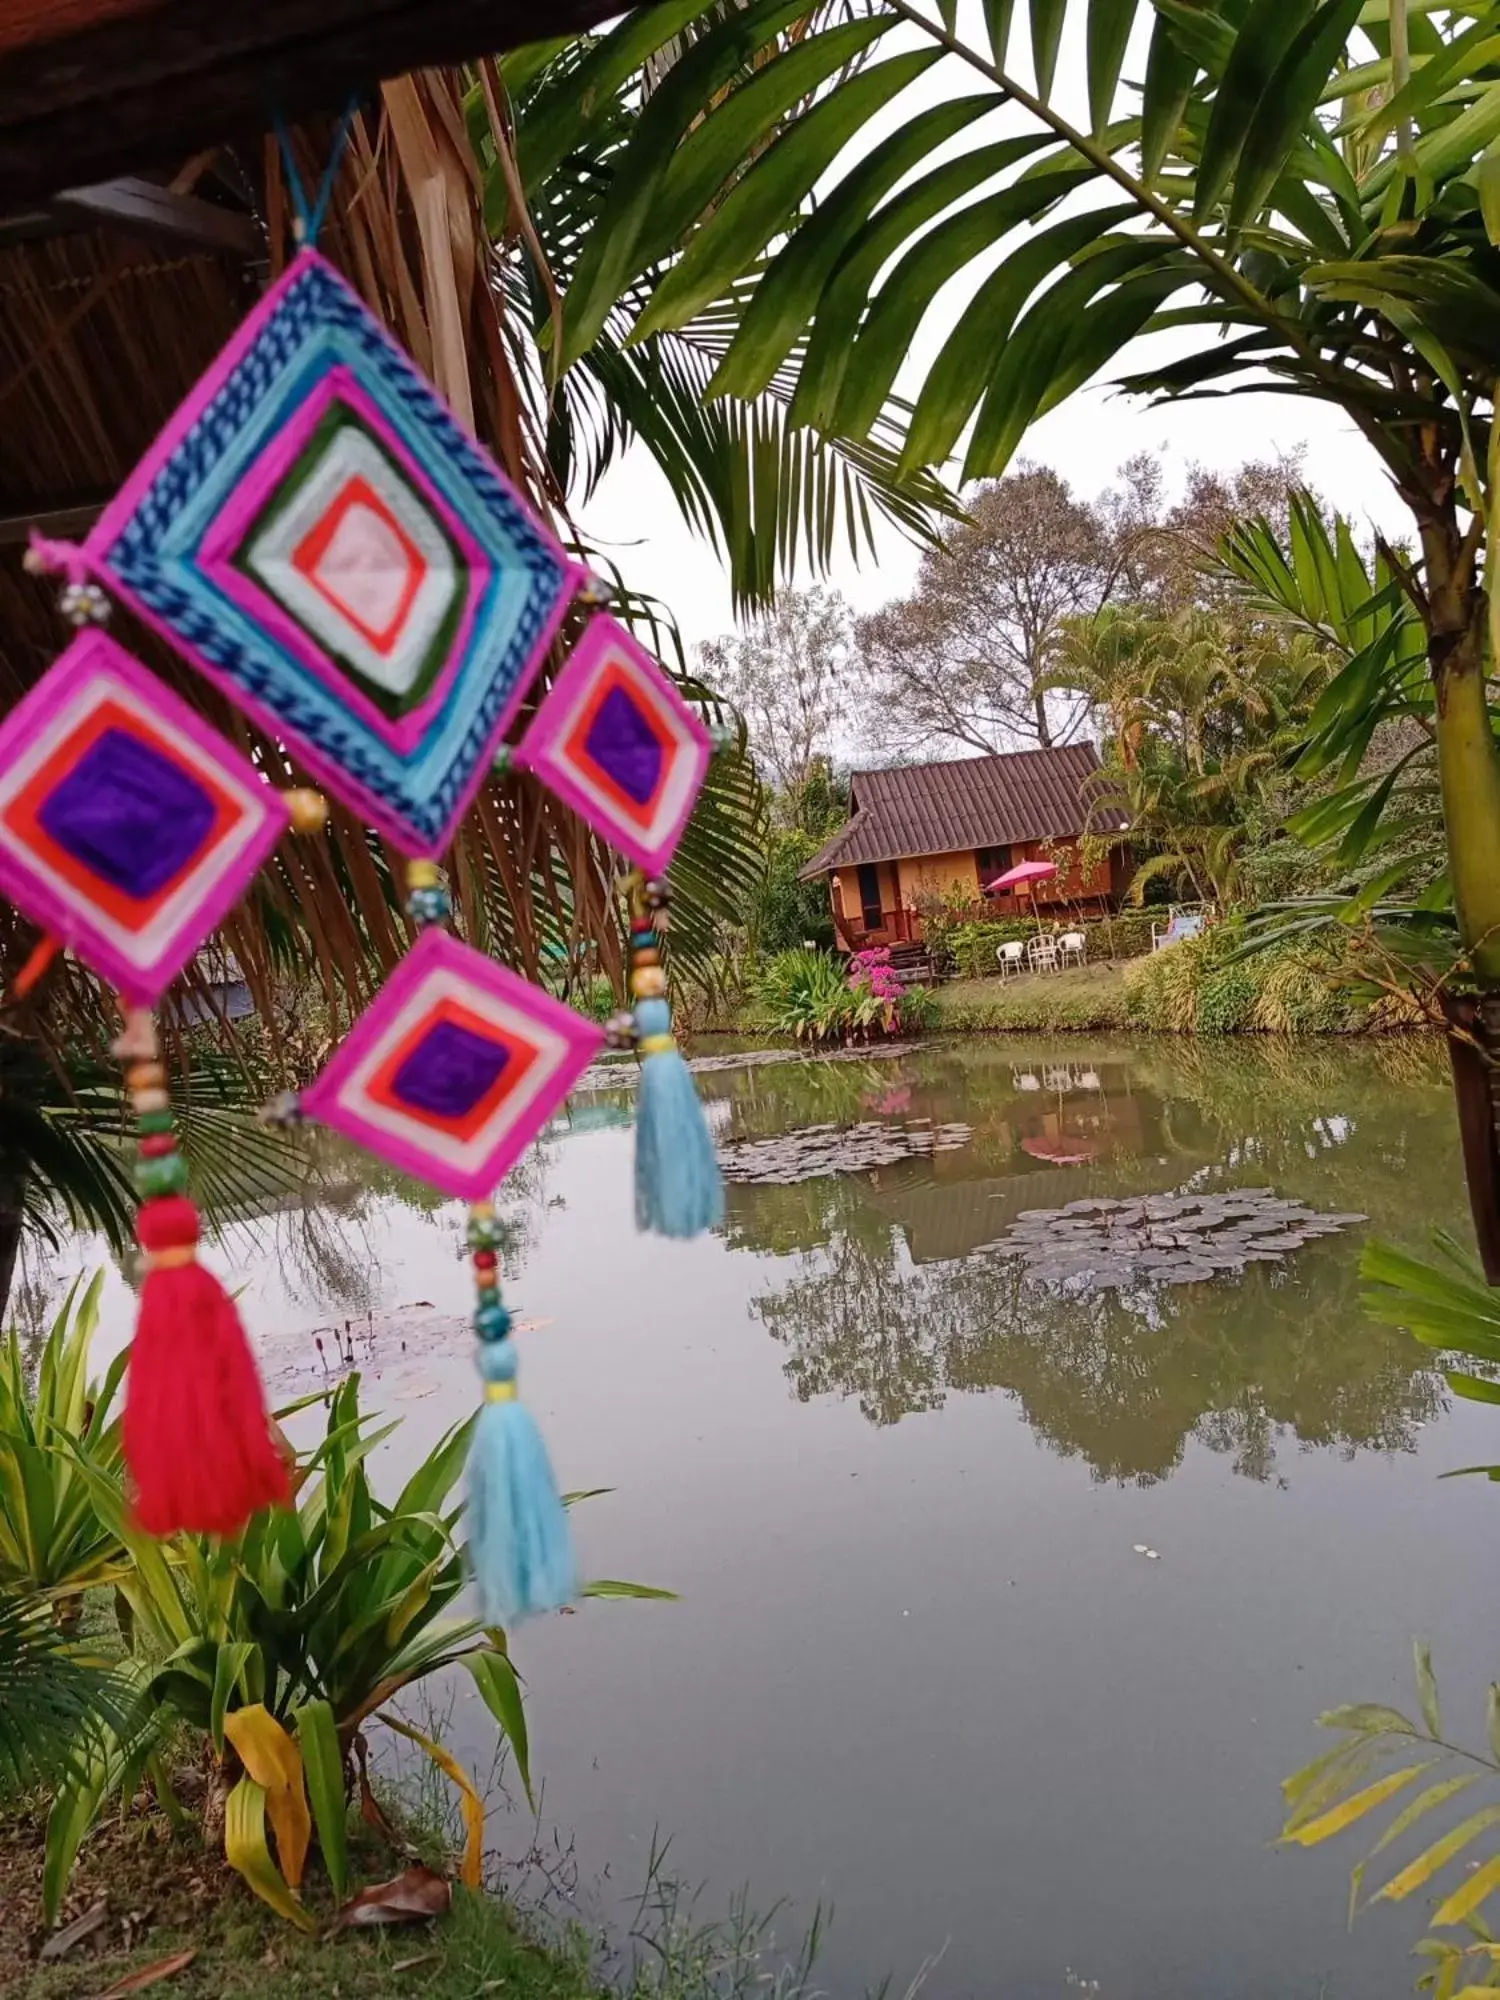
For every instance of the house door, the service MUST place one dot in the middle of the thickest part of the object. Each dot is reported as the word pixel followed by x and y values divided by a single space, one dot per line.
pixel 869 895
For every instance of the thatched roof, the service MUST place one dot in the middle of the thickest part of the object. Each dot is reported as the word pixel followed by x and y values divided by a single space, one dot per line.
pixel 104 87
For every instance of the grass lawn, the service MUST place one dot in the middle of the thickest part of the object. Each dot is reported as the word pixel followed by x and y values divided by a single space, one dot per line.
pixel 1083 996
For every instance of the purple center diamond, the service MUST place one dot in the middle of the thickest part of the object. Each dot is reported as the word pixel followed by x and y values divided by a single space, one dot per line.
pixel 449 1071
pixel 625 746
pixel 132 815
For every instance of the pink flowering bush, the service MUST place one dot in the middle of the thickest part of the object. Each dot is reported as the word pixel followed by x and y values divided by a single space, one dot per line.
pixel 877 989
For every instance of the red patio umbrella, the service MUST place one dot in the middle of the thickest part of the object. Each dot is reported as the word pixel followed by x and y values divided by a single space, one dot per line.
pixel 1021 878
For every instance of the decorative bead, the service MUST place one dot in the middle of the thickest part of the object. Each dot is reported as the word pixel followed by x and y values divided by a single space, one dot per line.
pixel 650 983
pixel 151 1123
pixel 309 809
pixel 145 1076
pixel 485 1231
pixel 167 1175
pixel 136 1041
pixel 643 940
pixel 596 591
pixel 504 759
pixel 485 1260
pixel 619 1031
pixel 156 1145
pixel 422 874
pixel 657 895
pixel 646 956
pixel 146 1101
pixel 487 1281
pixel 491 1320
pixel 283 1111
pixel 429 906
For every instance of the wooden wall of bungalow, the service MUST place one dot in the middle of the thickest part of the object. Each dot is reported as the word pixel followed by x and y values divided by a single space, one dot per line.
pixel 880 902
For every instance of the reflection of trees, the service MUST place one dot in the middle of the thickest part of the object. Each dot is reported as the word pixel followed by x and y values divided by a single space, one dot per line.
pixel 1121 1384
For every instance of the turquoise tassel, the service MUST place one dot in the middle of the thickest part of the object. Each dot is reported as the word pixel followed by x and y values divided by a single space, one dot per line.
pixel 520 1546
pixel 678 1187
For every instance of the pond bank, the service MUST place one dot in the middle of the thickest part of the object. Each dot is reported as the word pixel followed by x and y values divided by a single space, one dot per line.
pixel 1109 998
pixel 166 1895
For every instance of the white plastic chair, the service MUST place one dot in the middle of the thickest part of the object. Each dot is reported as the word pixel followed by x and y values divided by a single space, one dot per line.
pixel 1011 959
pixel 1041 954
pixel 1073 947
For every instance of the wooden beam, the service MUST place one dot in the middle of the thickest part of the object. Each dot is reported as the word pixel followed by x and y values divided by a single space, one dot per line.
pixel 93 89
pixel 141 205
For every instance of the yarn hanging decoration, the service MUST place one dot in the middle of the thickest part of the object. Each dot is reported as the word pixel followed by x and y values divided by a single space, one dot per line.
pixel 128 828
pixel 316 532
pixel 617 742
pixel 679 1190
pixel 197 1435
pixel 450 1074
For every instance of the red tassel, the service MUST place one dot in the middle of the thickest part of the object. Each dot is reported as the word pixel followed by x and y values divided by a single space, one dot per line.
pixel 197 1435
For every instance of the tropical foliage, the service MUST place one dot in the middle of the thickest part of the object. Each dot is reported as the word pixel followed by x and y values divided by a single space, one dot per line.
pixel 809 994
pixel 1198 712
pixel 276 1648
pixel 1431 1787
pixel 1302 187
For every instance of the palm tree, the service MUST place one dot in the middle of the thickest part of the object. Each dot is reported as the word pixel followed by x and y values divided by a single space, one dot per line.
pixel 1298 185
pixel 1200 713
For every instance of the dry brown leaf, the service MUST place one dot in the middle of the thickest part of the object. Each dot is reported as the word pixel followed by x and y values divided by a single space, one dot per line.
pixel 62 1942
pixel 412 1897
pixel 149 1975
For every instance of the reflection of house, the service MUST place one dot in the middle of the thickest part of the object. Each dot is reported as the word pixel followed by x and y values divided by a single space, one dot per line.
pixel 941 830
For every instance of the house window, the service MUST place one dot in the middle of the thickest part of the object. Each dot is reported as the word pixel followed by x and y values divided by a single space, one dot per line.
pixel 869 895
pixel 991 861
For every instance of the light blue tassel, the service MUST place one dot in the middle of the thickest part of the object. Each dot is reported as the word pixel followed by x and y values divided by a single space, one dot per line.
pixel 520 1547
pixel 678 1187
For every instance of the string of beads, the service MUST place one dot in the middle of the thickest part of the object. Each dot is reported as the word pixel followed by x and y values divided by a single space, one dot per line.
pixel 428 902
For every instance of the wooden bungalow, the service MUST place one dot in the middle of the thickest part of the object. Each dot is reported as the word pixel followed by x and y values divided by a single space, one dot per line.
pixel 924 832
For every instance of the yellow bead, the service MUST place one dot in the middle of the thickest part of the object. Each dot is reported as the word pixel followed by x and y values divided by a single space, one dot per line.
pixel 422 874
pixel 650 983
pixel 309 809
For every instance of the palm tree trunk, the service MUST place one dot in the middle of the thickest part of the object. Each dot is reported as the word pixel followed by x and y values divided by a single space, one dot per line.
pixel 1463 636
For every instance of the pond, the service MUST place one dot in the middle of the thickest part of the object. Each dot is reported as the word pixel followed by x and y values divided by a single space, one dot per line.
pixel 1011 1575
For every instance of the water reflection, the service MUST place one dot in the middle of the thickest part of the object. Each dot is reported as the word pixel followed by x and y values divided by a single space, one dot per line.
pixel 893 1300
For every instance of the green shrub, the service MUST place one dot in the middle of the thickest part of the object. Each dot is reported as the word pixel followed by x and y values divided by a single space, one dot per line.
pixel 920 1012
pixel 806 994
pixel 1201 987
pixel 971 946
pixel 786 913
pixel 1226 998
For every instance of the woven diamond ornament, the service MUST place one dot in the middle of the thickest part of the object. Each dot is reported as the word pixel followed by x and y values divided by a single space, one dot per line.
pixel 454 1068
pixel 318 534
pixel 616 740
pixel 128 827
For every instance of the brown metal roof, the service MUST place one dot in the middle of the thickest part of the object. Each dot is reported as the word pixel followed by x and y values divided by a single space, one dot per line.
pixel 972 802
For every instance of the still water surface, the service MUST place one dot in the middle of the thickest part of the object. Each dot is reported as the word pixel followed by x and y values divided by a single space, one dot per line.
pixel 918 1669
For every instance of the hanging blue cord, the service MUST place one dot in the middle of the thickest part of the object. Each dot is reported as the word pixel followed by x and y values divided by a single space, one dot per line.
pixel 308 222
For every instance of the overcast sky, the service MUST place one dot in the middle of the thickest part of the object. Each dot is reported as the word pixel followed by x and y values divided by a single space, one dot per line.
pixel 635 519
